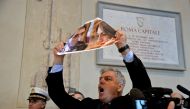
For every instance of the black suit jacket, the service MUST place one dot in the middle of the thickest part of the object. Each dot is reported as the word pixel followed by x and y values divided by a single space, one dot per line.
pixel 61 98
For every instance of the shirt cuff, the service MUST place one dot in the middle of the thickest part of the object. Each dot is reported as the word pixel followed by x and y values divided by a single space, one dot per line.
pixel 129 57
pixel 56 68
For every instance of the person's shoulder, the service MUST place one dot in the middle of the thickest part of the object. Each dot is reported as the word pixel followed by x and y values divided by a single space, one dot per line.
pixel 90 103
pixel 90 100
pixel 122 102
pixel 122 98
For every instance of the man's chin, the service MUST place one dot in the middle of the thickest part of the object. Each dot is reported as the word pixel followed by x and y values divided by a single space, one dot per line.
pixel 101 98
pixel 104 100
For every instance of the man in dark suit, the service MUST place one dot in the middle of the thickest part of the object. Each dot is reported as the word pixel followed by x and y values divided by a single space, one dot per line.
pixel 111 82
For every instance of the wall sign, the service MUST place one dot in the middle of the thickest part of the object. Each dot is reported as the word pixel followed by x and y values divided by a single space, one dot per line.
pixel 155 36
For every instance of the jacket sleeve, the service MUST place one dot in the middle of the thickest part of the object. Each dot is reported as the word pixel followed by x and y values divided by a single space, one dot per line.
pixel 138 74
pixel 58 94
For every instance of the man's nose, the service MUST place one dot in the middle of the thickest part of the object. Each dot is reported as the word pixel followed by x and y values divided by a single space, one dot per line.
pixel 30 103
pixel 102 80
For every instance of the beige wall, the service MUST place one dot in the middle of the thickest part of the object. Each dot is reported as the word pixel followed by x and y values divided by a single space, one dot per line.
pixel 12 21
pixel 18 32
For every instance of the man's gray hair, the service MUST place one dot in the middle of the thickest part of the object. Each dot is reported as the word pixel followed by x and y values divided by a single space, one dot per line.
pixel 120 77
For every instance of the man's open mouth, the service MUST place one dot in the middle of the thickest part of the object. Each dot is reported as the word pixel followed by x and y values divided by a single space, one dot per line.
pixel 101 89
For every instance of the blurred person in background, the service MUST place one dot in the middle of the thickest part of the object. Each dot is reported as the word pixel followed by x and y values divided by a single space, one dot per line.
pixel 38 98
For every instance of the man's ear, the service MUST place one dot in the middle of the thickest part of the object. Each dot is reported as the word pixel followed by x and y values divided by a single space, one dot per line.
pixel 43 105
pixel 120 88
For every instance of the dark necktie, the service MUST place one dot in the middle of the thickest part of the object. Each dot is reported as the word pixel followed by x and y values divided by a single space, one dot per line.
pixel 105 106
